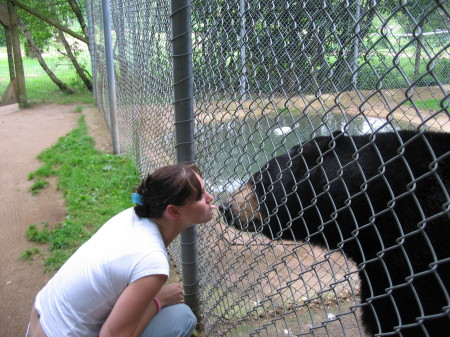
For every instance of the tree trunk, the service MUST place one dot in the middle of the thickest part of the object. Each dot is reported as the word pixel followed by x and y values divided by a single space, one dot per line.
pixel 63 87
pixel 28 52
pixel 9 50
pixel 80 71
pixel 76 9
pixel 69 53
pixel 417 57
pixel 18 63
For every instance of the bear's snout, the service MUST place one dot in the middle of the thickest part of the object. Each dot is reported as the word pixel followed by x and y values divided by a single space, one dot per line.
pixel 225 210
pixel 224 206
pixel 241 209
pixel 241 216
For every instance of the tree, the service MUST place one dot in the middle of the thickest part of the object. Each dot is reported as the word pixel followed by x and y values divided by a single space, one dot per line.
pixel 421 16
pixel 284 46
pixel 64 88
pixel 77 11
pixel 43 23
pixel 80 71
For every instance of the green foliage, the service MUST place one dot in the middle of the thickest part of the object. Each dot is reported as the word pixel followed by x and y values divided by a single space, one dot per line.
pixel 292 47
pixel 423 13
pixel 95 187
pixel 41 31
pixel 280 38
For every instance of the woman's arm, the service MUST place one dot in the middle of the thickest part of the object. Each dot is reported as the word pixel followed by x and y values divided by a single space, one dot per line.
pixel 134 309
pixel 168 295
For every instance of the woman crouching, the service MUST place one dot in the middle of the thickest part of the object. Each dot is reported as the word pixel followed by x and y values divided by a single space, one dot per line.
pixel 113 285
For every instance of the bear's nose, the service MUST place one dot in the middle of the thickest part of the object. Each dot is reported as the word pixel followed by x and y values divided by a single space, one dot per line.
pixel 224 207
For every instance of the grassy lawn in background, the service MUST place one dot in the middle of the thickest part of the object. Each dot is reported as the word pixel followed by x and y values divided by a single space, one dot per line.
pixel 432 104
pixel 95 186
pixel 40 88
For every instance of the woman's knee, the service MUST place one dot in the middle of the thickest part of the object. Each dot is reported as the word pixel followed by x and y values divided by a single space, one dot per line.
pixel 175 320
pixel 185 312
pixel 184 315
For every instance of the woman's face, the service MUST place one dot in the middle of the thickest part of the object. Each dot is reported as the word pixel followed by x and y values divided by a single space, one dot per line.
pixel 198 211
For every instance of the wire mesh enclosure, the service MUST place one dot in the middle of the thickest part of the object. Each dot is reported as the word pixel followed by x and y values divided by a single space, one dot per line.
pixel 322 128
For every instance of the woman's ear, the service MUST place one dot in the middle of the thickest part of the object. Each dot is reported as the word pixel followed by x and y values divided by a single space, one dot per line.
pixel 173 211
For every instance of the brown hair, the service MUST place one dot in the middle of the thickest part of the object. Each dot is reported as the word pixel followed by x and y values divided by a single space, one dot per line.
pixel 169 185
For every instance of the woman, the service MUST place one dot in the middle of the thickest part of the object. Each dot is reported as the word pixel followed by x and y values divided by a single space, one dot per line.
pixel 113 284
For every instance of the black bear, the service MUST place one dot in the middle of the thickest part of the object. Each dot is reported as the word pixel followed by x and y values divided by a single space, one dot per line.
pixel 383 199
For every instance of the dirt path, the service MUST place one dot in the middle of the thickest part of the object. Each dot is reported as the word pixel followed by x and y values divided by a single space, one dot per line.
pixel 24 134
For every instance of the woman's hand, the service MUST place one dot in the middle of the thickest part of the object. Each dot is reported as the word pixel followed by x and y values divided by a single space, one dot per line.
pixel 171 294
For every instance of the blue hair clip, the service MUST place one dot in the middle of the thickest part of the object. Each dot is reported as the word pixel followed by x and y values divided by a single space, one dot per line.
pixel 137 199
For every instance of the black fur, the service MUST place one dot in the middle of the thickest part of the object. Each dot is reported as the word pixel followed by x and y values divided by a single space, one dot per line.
pixel 386 204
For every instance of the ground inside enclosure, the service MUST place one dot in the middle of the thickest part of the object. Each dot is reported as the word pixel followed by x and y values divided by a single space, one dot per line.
pixel 24 134
pixel 383 104
pixel 263 281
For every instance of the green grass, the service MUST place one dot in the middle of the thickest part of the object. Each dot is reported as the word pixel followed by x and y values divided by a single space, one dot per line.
pixel 38 185
pixel 29 254
pixel 95 186
pixel 41 89
pixel 432 104
pixel 380 71
pixel 82 96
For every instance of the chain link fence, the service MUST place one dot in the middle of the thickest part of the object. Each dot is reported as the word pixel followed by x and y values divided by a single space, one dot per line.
pixel 342 236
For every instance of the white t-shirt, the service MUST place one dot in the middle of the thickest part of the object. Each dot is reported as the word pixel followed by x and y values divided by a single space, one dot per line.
pixel 79 298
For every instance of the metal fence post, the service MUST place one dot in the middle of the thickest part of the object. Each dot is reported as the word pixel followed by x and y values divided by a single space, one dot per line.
pixel 110 75
pixel 184 133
